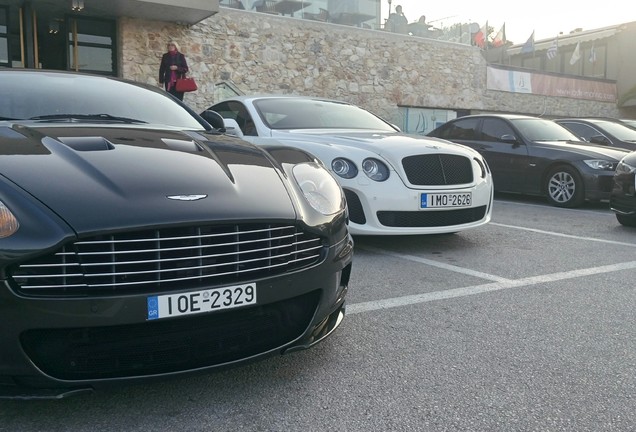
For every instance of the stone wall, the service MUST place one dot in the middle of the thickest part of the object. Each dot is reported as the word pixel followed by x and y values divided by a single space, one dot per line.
pixel 380 71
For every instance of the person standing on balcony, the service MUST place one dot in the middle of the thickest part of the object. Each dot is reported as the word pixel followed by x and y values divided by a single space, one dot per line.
pixel 397 22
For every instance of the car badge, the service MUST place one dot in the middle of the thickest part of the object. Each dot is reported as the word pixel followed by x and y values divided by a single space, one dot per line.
pixel 186 197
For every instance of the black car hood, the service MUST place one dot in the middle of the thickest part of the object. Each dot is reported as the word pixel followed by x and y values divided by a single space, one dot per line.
pixel 583 148
pixel 99 178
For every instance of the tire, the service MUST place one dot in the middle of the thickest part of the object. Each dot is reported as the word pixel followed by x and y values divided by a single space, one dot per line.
pixel 626 220
pixel 564 187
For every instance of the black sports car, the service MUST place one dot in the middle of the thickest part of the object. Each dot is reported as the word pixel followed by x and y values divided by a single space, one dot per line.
pixel 534 156
pixel 136 241
pixel 623 198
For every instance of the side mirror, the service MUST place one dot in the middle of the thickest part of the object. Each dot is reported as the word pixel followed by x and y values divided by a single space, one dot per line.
pixel 509 138
pixel 600 139
pixel 232 128
pixel 215 120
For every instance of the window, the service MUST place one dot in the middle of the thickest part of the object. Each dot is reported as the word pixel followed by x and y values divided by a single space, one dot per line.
pixel 581 130
pixel 423 120
pixel 463 129
pixel 238 112
pixel 4 37
pixel 495 129
pixel 92 45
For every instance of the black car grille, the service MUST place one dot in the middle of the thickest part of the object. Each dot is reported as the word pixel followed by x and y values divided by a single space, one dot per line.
pixel 169 259
pixel 417 219
pixel 438 169
pixel 168 346
pixel 356 212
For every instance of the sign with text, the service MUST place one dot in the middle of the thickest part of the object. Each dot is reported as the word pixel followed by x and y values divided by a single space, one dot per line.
pixel 549 85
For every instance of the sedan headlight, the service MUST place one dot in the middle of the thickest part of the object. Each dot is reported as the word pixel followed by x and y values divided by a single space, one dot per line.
pixel 375 169
pixel 600 164
pixel 344 168
pixel 8 223
pixel 320 189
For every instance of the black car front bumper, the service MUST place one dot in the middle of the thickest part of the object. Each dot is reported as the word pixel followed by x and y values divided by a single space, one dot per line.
pixel 55 347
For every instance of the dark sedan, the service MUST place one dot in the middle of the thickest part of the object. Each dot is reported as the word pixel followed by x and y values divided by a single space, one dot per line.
pixel 610 133
pixel 534 156
pixel 623 198
pixel 137 242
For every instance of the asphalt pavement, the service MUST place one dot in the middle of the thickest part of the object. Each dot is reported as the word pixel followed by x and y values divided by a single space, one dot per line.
pixel 525 324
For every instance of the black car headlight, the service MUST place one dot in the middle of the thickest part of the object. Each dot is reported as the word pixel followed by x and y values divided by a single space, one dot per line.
pixel 320 189
pixel 375 169
pixel 623 168
pixel 344 168
pixel 600 164
pixel 8 222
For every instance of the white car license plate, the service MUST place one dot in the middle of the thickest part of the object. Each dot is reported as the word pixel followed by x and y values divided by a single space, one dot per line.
pixel 172 305
pixel 434 200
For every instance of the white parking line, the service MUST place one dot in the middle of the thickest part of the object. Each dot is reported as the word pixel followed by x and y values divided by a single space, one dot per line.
pixel 484 288
pixel 552 233
pixel 432 263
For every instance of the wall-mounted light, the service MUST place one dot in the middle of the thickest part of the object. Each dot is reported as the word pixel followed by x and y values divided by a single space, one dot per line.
pixel 54 27
pixel 77 5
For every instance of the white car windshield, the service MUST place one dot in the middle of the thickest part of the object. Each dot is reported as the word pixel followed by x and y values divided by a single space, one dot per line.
pixel 289 113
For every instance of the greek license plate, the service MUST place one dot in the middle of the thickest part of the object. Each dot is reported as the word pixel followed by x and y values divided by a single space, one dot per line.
pixel 196 302
pixel 432 200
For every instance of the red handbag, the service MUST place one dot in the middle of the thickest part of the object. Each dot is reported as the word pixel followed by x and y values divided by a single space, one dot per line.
pixel 186 85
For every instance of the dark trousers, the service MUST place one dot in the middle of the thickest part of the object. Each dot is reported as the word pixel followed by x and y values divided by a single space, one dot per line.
pixel 173 91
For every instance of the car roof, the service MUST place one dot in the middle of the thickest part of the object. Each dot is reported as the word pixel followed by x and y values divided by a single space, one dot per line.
pixel 594 120
pixel 279 96
pixel 500 115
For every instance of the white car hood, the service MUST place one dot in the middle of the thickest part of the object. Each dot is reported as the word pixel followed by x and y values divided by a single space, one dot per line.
pixel 391 146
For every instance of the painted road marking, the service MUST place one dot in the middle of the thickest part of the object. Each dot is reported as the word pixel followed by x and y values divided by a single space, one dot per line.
pixel 498 284
pixel 484 288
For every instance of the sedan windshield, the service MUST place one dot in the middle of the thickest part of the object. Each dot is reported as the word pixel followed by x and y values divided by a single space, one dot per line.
pixel 55 97
pixel 543 130
pixel 620 131
pixel 288 113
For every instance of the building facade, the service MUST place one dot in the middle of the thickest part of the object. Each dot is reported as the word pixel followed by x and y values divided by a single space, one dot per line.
pixel 414 82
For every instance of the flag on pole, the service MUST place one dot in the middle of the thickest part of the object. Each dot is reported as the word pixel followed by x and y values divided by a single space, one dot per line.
pixel 528 47
pixel 500 37
pixel 576 55
pixel 592 58
pixel 554 48
pixel 481 36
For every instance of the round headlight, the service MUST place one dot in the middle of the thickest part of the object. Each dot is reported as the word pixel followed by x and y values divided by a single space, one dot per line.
pixel 375 169
pixel 320 189
pixel 8 223
pixel 344 168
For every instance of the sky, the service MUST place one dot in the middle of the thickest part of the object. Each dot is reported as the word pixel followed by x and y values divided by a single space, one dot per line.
pixel 547 18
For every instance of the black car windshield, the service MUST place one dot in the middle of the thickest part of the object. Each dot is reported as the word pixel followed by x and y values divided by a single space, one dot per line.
pixel 620 131
pixel 289 113
pixel 543 130
pixel 52 96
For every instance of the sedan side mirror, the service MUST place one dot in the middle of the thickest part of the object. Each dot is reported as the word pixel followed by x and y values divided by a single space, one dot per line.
pixel 509 138
pixel 215 120
pixel 600 139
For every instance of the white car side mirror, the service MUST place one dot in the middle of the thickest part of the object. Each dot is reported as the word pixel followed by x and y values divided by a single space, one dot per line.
pixel 232 128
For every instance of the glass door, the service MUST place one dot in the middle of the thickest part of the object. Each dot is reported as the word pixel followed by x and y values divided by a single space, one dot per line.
pixel 91 45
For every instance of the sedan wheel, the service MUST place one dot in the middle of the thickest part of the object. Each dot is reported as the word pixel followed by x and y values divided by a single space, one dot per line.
pixel 564 187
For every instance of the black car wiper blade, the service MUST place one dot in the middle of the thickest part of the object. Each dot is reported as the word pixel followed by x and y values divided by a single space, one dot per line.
pixel 102 117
